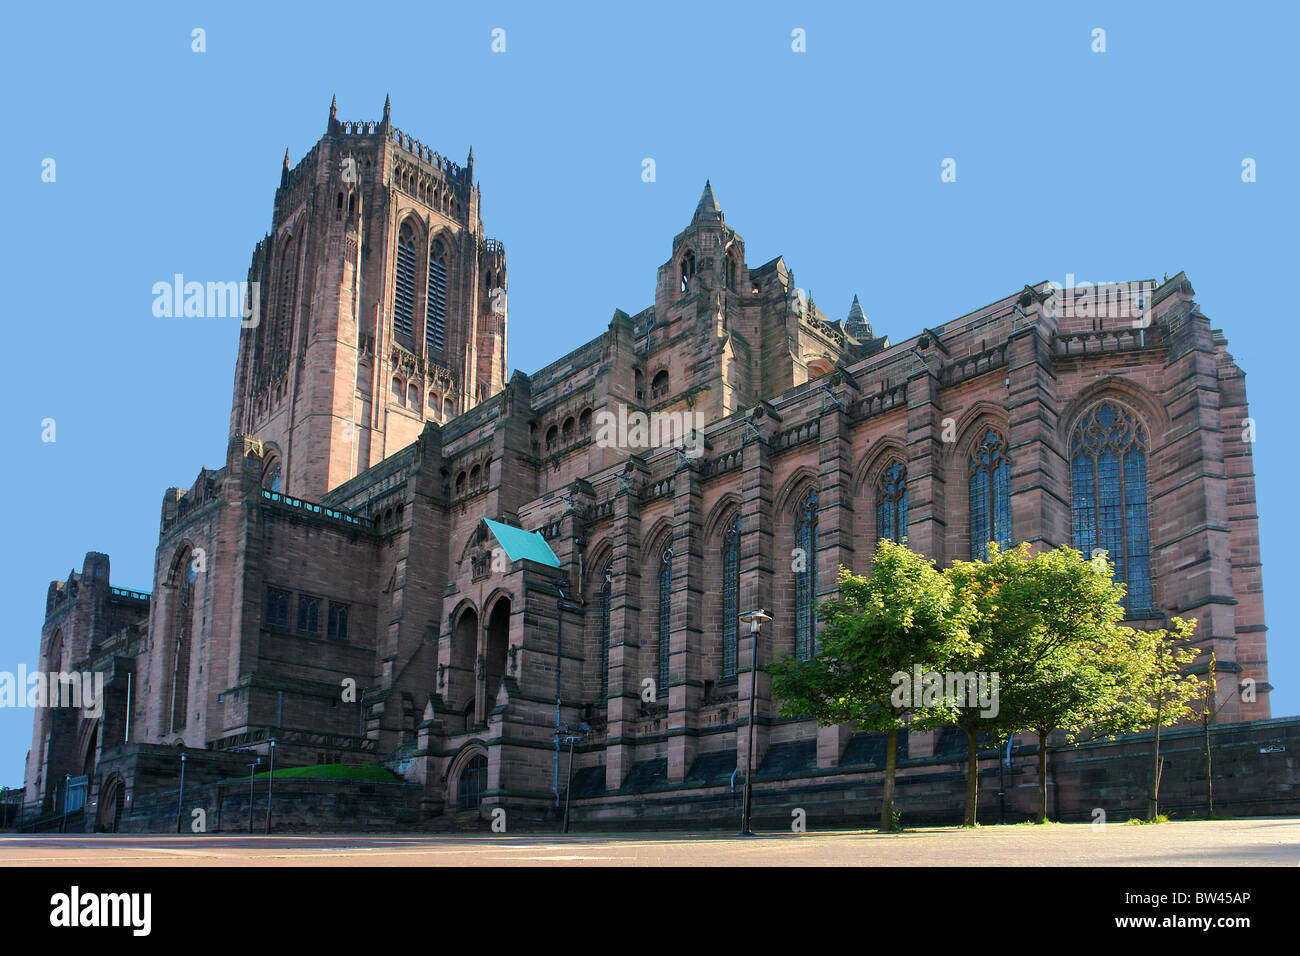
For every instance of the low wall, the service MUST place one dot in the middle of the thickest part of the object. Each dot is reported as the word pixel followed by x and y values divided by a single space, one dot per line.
pixel 1255 764
pixel 298 805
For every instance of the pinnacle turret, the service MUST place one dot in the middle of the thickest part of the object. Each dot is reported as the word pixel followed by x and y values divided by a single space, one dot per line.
pixel 708 208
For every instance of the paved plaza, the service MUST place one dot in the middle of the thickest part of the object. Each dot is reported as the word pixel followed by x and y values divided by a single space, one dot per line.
pixel 1255 842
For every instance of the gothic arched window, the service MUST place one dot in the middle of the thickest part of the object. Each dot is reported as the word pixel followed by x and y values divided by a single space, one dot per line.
pixel 688 270
pixel 404 288
pixel 182 638
pixel 665 620
pixel 606 595
pixel 805 577
pixel 730 595
pixel 271 477
pixel 435 300
pixel 891 504
pixel 288 273
pixel 1108 478
pixel 990 495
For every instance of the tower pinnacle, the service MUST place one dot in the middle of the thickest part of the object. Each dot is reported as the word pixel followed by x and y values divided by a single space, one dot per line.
pixel 708 207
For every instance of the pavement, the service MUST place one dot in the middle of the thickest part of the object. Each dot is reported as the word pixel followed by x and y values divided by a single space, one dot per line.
pixel 1253 842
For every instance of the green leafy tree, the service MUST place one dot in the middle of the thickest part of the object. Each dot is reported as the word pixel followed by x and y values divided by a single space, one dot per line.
pixel 903 613
pixel 1071 675
pixel 1165 692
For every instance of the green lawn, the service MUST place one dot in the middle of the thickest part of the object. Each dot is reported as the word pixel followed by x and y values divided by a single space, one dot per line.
pixel 335 771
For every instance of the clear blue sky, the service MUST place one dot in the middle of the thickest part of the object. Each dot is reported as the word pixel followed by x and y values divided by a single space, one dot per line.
pixel 1111 166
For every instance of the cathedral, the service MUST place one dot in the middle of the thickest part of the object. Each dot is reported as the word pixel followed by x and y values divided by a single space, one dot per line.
pixel 410 560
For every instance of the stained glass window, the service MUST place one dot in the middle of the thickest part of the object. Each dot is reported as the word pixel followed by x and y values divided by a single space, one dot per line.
pixel 805 578
pixel 990 495
pixel 891 504
pixel 665 620
pixel 1108 477
pixel 730 595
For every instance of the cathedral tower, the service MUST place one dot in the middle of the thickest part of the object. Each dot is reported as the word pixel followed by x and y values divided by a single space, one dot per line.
pixel 380 306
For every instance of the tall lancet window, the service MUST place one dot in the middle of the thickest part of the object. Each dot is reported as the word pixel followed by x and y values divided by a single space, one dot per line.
pixel 180 676
pixel 606 596
pixel 990 495
pixel 730 595
pixel 665 620
pixel 891 504
pixel 805 577
pixel 288 276
pixel 435 302
pixel 1108 477
pixel 404 289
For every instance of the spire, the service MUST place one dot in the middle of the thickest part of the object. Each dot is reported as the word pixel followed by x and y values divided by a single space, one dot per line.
pixel 388 109
pixel 856 324
pixel 708 207
pixel 286 157
pixel 284 170
pixel 334 107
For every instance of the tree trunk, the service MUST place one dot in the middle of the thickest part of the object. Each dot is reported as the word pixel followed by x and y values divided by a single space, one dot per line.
pixel 891 763
pixel 1209 767
pixel 972 775
pixel 1153 806
pixel 1042 775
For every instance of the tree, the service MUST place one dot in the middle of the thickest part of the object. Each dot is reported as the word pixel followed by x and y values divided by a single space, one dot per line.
pixel 1165 692
pixel 902 614
pixel 1004 622
pixel 1071 677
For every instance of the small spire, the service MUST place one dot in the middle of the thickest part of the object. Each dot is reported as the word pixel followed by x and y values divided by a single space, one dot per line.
pixel 387 108
pixel 856 324
pixel 334 107
pixel 286 157
pixel 708 207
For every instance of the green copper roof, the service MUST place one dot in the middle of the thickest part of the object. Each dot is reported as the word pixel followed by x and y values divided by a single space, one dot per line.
pixel 522 544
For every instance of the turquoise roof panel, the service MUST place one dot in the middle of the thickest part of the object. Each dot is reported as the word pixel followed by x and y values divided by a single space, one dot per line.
pixel 519 543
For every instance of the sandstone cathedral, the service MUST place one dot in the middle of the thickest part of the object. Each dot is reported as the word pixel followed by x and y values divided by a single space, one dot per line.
pixel 411 561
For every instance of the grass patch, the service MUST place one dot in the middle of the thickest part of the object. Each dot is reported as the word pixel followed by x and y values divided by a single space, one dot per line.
pixel 1142 821
pixel 334 771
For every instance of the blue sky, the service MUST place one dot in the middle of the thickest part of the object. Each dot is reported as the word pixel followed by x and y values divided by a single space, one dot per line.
pixel 1110 166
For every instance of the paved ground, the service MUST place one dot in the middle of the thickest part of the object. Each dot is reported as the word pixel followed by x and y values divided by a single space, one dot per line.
pixel 1256 842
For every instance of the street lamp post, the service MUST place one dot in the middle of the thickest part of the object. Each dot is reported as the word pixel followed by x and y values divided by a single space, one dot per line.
pixel 63 824
pixel 570 737
pixel 180 797
pixel 756 620
pixel 270 783
pixel 252 769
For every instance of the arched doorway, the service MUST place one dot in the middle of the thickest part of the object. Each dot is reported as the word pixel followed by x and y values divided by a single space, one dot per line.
pixel 92 748
pixel 464 648
pixel 112 800
pixel 498 644
pixel 472 783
